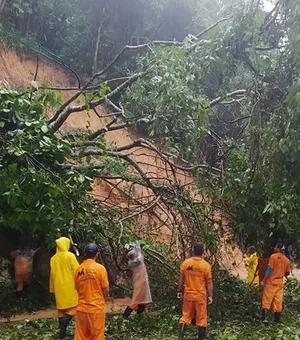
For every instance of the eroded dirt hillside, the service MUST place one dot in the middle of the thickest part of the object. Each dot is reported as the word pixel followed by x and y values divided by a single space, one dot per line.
pixel 18 69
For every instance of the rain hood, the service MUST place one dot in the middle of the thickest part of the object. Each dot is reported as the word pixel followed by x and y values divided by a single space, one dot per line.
pixel 62 269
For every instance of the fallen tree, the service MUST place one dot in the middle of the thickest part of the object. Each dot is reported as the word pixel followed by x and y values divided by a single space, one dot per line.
pixel 196 116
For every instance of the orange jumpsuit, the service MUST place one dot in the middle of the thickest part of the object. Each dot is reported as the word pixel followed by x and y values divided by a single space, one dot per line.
pixel 23 266
pixel 196 273
pixel 273 290
pixel 90 280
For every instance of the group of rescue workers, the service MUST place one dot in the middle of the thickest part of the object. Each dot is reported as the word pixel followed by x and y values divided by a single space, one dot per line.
pixel 268 271
pixel 82 290
pixel 196 288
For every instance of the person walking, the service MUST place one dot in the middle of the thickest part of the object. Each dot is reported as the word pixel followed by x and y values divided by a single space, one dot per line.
pixel 278 268
pixel 62 268
pixel 141 288
pixel 92 285
pixel 196 289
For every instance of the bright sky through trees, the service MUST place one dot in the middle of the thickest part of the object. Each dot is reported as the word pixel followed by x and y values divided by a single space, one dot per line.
pixel 268 5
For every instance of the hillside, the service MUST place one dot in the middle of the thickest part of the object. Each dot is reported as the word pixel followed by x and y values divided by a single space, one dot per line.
pixel 18 69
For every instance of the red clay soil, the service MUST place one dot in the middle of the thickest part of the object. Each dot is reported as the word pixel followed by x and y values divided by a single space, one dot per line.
pixel 18 70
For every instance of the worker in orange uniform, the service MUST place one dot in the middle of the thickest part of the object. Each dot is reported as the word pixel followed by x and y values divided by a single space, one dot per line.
pixel 278 268
pixel 62 268
pixel 91 282
pixel 196 281
pixel 23 263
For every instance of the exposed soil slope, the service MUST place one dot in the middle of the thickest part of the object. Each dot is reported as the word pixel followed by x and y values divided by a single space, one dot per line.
pixel 19 69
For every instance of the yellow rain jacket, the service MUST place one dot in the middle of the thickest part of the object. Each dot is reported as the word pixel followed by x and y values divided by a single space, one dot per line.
pixel 251 264
pixel 62 269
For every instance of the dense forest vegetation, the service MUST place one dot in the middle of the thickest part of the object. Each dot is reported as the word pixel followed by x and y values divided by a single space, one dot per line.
pixel 88 35
pixel 215 84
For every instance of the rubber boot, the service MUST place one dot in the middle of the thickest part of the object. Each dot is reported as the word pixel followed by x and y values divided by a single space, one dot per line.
pixel 127 312
pixel 19 294
pixel 263 315
pixel 182 329
pixel 60 323
pixel 140 309
pixel 201 333
pixel 277 316
pixel 63 324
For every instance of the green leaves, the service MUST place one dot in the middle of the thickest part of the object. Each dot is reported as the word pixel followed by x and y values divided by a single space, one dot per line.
pixel 173 108
pixel 234 315
pixel 44 128
pixel 36 193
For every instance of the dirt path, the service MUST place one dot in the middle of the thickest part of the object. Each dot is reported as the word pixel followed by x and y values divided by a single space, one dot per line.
pixel 113 306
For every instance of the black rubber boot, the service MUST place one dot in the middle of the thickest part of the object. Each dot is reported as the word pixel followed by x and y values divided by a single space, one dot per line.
pixel 63 324
pixel 127 312
pixel 277 317
pixel 19 294
pixel 60 323
pixel 140 309
pixel 182 329
pixel 201 333
pixel 263 315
